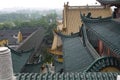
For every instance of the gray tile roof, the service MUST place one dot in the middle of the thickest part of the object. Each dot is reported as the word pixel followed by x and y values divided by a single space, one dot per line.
pixel 107 30
pixel 33 41
pixel 8 34
pixel 19 61
pixel 58 66
pixel 21 56
pixel 67 76
pixel 109 1
pixel 27 31
pixel 32 68
pixel 103 62
pixel 76 57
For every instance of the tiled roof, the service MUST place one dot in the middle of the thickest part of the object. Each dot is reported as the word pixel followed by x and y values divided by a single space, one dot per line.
pixel 35 40
pixel 75 52
pixel 23 54
pixel 109 1
pixel 107 30
pixel 76 57
pixel 103 62
pixel 32 68
pixel 67 36
pixel 117 20
pixel 79 57
pixel 67 76
pixel 71 16
pixel 19 59
pixel 58 66
pixel 8 34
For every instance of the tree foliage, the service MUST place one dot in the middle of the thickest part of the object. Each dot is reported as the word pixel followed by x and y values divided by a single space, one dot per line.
pixel 18 21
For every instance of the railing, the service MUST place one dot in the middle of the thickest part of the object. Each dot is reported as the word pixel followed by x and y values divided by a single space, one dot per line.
pixel 103 62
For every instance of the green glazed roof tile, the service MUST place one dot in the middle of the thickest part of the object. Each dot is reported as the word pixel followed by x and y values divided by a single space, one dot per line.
pixel 20 57
pixel 107 30
pixel 103 62
pixel 19 61
pixel 67 76
pixel 109 1
pixel 33 41
pixel 76 57
pixel 32 68
pixel 58 66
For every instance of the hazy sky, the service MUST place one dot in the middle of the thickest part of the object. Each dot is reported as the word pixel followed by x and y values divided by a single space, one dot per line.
pixel 44 4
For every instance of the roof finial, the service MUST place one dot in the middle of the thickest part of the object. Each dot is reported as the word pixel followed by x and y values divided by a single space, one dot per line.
pixel 67 3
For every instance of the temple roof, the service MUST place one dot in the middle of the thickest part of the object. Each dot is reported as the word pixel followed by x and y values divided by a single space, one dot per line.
pixel 8 34
pixel 19 59
pixel 103 62
pixel 67 76
pixel 71 17
pixel 32 68
pixel 33 41
pixel 111 2
pixel 76 56
pixel 20 62
pixel 75 52
pixel 26 51
pixel 107 30
pixel 58 66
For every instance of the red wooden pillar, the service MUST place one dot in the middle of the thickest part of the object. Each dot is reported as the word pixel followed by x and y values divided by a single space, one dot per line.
pixel 108 51
pixel 100 47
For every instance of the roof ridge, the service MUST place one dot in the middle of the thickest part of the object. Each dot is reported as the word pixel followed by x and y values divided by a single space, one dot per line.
pixel 90 19
pixel 73 35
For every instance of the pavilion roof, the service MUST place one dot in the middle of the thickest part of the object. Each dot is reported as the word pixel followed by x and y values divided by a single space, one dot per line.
pixel 106 29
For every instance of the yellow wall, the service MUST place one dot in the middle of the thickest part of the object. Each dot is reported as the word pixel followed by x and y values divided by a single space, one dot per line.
pixel 72 22
pixel 71 18
pixel 20 37
pixel 3 42
pixel 56 42
pixel 110 69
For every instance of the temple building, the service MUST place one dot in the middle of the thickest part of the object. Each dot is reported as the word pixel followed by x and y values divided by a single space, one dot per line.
pixel 85 46
pixel 115 3
pixel 71 23
pixel 26 58
pixel 69 47
pixel 71 16
pixel 14 37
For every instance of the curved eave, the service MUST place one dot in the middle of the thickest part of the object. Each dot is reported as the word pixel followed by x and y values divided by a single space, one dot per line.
pixel 103 62
pixel 67 36
pixel 21 52
pixel 113 47
pixel 100 23
pixel 95 20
